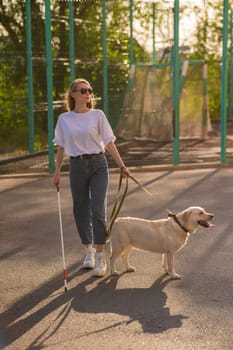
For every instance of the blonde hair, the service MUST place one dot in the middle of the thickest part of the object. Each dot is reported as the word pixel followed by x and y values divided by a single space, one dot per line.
pixel 69 100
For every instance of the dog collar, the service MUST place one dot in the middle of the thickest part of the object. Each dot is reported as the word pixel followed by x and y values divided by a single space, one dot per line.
pixel 178 222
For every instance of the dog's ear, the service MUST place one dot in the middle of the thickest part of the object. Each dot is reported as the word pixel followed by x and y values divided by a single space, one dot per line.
pixel 186 215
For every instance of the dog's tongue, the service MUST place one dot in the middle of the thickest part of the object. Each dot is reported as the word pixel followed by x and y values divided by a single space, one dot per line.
pixel 209 224
pixel 206 224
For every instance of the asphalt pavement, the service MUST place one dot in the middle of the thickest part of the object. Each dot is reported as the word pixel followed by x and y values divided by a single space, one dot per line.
pixel 140 310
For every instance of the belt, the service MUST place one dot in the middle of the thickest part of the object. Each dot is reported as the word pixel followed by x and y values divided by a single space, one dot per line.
pixel 86 156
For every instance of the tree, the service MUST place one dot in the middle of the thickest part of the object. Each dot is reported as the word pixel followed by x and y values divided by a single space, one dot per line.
pixel 208 46
pixel 88 51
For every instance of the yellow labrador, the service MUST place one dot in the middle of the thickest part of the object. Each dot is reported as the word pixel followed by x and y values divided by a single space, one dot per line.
pixel 165 236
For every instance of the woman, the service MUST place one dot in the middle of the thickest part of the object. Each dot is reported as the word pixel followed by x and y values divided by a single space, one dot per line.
pixel 83 133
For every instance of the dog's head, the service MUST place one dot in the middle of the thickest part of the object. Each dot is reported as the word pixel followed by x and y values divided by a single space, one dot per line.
pixel 193 217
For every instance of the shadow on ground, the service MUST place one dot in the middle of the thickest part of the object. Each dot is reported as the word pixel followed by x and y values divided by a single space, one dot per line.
pixel 144 305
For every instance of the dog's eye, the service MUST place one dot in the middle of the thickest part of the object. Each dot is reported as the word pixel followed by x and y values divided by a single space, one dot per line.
pixel 201 212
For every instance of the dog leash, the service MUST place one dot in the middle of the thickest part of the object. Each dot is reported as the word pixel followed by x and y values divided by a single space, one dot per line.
pixel 121 197
pixel 149 193
pixel 117 204
pixel 170 214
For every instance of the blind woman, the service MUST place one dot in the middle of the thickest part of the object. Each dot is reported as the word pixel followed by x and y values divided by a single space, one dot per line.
pixel 84 134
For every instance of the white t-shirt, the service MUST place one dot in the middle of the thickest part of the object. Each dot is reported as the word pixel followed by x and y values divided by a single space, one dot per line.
pixel 82 133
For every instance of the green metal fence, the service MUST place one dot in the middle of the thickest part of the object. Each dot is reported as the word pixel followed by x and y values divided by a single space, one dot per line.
pixel 33 79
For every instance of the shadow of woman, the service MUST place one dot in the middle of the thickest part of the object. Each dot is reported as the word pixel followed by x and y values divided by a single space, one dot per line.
pixel 144 305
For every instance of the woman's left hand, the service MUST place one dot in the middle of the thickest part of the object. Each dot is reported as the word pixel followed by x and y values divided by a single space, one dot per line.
pixel 125 172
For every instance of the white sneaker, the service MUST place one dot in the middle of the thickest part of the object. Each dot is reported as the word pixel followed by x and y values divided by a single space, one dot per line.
pixel 100 265
pixel 89 261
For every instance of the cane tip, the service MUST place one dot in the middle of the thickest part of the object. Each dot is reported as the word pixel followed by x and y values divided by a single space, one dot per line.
pixel 65 289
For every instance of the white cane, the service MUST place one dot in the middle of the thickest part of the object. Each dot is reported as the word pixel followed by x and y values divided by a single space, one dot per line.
pixel 62 242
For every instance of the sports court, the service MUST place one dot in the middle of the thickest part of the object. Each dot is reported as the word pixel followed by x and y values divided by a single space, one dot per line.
pixel 142 309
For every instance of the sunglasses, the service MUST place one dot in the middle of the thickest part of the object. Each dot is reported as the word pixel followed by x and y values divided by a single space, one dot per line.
pixel 85 90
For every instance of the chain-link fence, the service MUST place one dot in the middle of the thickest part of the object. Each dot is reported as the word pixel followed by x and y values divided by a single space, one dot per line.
pixel 133 77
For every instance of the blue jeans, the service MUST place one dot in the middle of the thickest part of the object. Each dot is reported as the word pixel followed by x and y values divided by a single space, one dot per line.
pixel 89 185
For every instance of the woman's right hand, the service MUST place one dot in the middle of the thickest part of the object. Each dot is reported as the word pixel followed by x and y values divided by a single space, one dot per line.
pixel 59 160
pixel 57 178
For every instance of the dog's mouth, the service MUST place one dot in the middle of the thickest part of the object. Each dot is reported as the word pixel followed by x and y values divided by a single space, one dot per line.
pixel 205 223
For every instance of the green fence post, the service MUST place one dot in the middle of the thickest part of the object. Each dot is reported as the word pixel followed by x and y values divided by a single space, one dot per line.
pixel 105 60
pixel 49 79
pixel 71 41
pixel 31 130
pixel 205 100
pixel 231 69
pixel 131 48
pixel 176 85
pixel 153 32
pixel 224 82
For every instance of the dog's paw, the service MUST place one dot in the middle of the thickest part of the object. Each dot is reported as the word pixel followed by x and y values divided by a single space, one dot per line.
pixel 175 276
pixel 131 269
